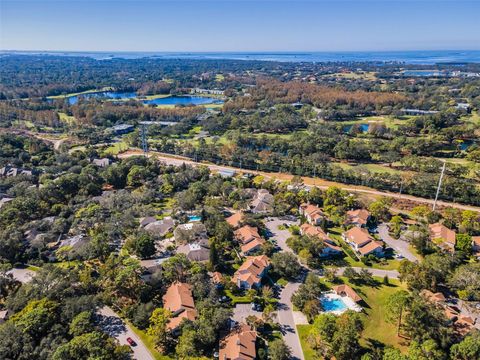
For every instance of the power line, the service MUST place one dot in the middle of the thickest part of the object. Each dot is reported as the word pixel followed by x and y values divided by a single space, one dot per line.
pixel 439 185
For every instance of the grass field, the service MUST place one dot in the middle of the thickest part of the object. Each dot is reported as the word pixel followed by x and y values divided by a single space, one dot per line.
pixel 116 148
pixel 66 118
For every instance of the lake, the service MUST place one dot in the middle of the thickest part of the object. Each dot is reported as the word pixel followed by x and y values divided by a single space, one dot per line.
pixel 123 96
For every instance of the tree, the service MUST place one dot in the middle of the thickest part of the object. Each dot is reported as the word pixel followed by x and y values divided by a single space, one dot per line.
pixel 396 304
pixel 468 348
pixel 466 281
pixel 187 344
pixel 286 264
pixel 396 226
pixel 81 324
pixel 158 326
pixel 93 345
pixel 338 336
pixel 143 245
pixel 380 209
pixel 37 317
pixel 464 243
pixel 278 350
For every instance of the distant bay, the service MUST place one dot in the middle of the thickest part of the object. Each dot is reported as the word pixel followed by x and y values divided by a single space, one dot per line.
pixel 428 57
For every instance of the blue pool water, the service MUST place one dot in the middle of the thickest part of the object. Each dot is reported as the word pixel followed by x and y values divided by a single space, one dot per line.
pixel 194 218
pixel 363 128
pixel 329 305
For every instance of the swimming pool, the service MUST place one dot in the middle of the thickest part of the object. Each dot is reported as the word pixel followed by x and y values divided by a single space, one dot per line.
pixel 192 218
pixel 333 304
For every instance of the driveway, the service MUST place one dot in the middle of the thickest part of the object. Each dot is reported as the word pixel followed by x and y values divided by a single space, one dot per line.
pixel 279 235
pixel 114 326
pixel 286 320
pixel 22 275
pixel 400 246
pixel 242 311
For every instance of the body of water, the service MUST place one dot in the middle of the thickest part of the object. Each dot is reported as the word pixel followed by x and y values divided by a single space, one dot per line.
pixel 194 218
pixel 417 57
pixel 123 96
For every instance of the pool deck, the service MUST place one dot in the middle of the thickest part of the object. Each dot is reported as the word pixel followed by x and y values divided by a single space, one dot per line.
pixel 349 303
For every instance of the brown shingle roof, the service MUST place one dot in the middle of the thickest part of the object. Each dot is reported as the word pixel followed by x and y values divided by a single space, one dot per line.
pixel 251 269
pixel 246 234
pixel 235 219
pixel 239 344
pixel 359 236
pixel 441 232
pixel 359 216
pixel 370 247
pixel 343 290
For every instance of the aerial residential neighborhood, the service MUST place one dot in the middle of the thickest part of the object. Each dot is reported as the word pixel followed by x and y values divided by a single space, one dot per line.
pixel 239 180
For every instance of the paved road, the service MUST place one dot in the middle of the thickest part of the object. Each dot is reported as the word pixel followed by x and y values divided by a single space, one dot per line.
pixel 322 184
pixel 400 246
pixel 279 235
pixel 114 326
pixel 286 321
pixel 22 275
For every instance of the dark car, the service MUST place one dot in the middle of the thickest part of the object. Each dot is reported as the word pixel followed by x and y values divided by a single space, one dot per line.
pixel 131 342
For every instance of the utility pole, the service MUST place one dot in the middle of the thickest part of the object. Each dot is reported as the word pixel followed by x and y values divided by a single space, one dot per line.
pixel 439 185
pixel 144 140
pixel 314 174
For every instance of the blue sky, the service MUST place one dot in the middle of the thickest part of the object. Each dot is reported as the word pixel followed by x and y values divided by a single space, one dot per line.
pixel 243 25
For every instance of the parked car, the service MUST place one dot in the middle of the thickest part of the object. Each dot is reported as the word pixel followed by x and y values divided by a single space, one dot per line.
pixel 131 342
pixel 224 299
pixel 256 307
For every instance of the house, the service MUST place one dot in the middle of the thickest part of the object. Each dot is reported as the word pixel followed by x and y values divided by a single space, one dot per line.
pixel 443 237
pixel 144 221
pixel 5 200
pixel 217 278
pixel 11 171
pixel 357 217
pixel 225 173
pixel 262 202
pixel 239 344
pixel 362 242
pixel 104 162
pixel 3 316
pixel 196 251
pixel 345 290
pixel 179 300
pixel 330 248
pixel 249 239
pixel 312 213
pixel 235 220
pixel 189 233
pixel 158 227
pixel 250 274
pixel 122 129
pixel 436 298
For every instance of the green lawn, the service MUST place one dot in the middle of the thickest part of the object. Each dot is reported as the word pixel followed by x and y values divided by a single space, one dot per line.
pixel 66 118
pixel 116 148
pixel 308 352
pixel 237 299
